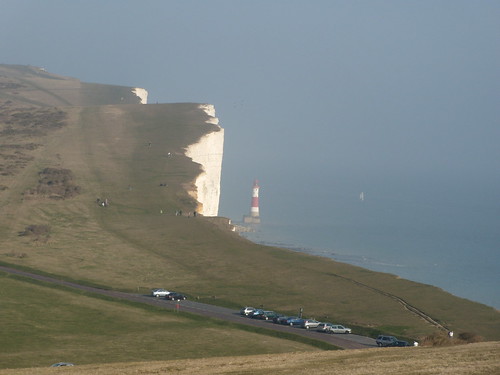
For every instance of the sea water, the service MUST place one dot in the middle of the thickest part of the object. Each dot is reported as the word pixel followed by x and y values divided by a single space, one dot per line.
pixel 449 242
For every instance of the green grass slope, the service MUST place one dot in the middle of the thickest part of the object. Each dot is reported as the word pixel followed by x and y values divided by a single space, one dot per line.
pixel 125 154
pixel 30 85
pixel 43 325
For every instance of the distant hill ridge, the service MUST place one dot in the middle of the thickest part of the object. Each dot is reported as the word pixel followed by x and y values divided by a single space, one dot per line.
pixel 35 86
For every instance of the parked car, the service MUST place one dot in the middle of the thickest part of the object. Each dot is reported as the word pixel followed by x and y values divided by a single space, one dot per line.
pixel 254 314
pixel 159 292
pixel 402 343
pixel 281 319
pixel 61 364
pixel 383 340
pixel 277 317
pixel 247 310
pixel 294 321
pixel 336 328
pixel 257 314
pixel 309 323
pixel 174 296
pixel 268 315
pixel 324 327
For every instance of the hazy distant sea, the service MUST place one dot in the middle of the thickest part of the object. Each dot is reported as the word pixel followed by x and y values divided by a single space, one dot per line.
pixel 449 243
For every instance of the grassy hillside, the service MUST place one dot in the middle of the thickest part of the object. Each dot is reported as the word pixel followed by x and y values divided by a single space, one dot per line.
pixel 43 325
pixel 55 162
pixel 30 85
pixel 469 359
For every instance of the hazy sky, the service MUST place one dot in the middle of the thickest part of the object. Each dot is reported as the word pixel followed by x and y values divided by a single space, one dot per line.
pixel 313 95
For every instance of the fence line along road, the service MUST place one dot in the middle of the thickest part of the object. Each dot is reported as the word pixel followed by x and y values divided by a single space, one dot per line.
pixel 348 341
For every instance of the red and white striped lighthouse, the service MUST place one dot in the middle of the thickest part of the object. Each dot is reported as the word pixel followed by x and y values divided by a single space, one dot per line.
pixel 254 216
pixel 254 208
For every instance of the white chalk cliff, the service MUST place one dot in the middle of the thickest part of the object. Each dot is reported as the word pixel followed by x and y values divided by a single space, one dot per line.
pixel 208 152
pixel 142 94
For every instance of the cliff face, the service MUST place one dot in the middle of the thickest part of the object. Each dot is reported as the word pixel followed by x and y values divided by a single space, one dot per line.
pixel 141 94
pixel 208 152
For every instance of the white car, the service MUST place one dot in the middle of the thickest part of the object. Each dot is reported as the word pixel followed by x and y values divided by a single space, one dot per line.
pixel 310 323
pixel 247 310
pixel 335 328
pixel 324 327
pixel 159 292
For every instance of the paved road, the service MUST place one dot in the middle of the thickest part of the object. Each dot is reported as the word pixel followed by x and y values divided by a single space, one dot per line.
pixel 343 341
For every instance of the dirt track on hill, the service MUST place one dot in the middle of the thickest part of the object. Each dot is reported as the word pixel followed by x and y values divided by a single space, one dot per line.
pixel 222 313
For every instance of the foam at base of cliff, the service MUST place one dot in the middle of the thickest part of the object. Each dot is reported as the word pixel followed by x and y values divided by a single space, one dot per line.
pixel 208 152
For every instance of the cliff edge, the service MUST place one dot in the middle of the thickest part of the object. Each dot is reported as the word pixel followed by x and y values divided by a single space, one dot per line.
pixel 208 152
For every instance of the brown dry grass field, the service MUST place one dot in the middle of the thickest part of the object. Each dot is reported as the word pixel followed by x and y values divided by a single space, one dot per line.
pixel 472 359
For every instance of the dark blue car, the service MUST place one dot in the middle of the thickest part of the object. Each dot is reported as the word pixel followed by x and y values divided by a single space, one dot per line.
pixel 294 321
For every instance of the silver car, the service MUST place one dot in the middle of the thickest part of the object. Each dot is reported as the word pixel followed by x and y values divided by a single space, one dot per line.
pixel 336 328
pixel 324 327
pixel 159 292
pixel 62 364
pixel 309 323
